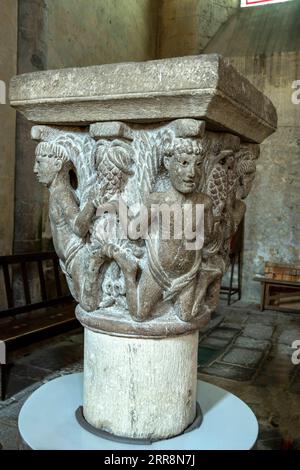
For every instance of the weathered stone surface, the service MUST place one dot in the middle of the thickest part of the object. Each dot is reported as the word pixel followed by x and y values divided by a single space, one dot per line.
pixel 290 334
pixel 229 371
pixel 217 343
pixel 259 331
pixel 246 342
pixel 202 87
pixel 140 388
pixel 186 27
pixel 243 357
pixel 153 281
pixel 149 150
pixel 268 54
pixel 8 436
pixel 224 332
pixel 8 67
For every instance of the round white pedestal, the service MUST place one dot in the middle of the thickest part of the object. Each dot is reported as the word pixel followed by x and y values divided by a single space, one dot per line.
pixel 47 421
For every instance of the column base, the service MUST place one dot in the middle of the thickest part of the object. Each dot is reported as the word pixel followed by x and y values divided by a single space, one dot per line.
pixel 127 440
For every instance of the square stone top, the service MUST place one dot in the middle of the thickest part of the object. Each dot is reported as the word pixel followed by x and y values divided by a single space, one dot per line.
pixel 201 87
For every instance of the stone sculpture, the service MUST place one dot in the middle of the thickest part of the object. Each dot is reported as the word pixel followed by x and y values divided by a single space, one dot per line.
pixel 120 147
pixel 149 276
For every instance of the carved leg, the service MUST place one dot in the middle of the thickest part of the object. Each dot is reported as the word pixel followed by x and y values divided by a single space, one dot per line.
pixel 149 293
pixel 86 271
pixel 204 280
pixel 91 286
pixel 212 298
pixel 185 301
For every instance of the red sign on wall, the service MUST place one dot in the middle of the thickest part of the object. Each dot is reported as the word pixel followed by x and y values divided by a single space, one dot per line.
pixel 253 2
pixel 249 3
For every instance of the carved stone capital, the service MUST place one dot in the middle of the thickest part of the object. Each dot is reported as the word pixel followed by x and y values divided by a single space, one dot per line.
pixel 128 277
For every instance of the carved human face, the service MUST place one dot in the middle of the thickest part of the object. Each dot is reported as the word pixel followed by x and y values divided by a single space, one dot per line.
pixel 46 168
pixel 247 184
pixel 185 171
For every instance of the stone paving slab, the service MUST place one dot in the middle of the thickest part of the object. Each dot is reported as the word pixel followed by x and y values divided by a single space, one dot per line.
pixel 10 412
pixel 207 356
pixel 244 357
pixel 252 343
pixel 228 371
pixel 295 382
pixel 224 332
pixel 55 357
pixel 218 343
pixel 262 318
pixel 258 331
pixel 232 316
pixel 16 384
pixel 289 335
pixel 8 436
pixel 30 371
pixel 216 320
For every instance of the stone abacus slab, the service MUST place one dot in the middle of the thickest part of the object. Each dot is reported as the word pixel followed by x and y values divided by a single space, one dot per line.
pixel 201 87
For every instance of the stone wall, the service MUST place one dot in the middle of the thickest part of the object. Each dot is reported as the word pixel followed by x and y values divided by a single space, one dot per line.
pixel 263 43
pixel 186 26
pixel 91 32
pixel 8 68
pixel 67 33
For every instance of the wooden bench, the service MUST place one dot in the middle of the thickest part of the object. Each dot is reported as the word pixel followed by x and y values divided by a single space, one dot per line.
pixel 31 321
pixel 279 294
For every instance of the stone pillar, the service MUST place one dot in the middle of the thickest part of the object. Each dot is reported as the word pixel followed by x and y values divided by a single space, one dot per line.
pixel 147 165
pixel 147 386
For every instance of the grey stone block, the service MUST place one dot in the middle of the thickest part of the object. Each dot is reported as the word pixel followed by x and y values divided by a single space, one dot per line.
pixel 8 436
pixel 225 333
pixel 252 343
pixel 217 343
pixel 289 335
pixel 58 356
pixel 262 318
pixel 244 357
pixel 229 371
pixel 258 331
pixel 203 86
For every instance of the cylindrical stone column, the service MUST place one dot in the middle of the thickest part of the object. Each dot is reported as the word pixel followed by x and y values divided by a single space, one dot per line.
pixel 140 388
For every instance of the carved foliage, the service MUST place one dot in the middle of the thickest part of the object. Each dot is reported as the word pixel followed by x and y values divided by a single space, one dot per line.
pixel 178 162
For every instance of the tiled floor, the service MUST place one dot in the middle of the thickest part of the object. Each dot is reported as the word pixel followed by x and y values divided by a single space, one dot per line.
pixel 245 351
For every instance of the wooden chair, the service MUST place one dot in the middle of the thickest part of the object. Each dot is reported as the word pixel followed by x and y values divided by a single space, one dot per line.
pixel 235 257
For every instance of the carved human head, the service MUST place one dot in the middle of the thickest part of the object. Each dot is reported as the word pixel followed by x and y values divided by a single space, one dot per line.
pixel 49 160
pixel 246 170
pixel 183 158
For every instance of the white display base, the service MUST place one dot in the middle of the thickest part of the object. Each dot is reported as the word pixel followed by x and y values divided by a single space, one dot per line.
pixel 47 421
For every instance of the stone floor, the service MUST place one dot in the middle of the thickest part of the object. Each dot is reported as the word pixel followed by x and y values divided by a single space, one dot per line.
pixel 245 351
